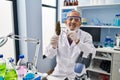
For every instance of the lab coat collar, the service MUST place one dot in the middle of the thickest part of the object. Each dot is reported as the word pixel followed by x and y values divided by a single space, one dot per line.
pixel 66 40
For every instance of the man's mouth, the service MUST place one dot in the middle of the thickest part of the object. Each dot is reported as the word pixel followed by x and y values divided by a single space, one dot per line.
pixel 72 27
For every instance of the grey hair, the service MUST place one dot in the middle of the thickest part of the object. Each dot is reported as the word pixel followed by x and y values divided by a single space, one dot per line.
pixel 73 11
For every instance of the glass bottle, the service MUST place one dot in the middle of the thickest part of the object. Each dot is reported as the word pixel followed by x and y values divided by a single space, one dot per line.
pixel 116 20
pixel 65 3
pixel 2 67
pixel 107 41
pixel 11 73
pixel 30 75
pixel 111 43
pixel 21 67
pixel 76 2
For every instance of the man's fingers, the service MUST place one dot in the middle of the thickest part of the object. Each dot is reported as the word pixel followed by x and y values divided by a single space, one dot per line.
pixel 70 33
pixel 54 41
pixel 55 37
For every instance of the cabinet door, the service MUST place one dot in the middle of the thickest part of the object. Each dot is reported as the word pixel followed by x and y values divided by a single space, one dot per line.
pixel 116 57
pixel 115 70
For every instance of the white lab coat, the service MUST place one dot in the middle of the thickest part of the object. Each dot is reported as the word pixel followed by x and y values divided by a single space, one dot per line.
pixel 66 54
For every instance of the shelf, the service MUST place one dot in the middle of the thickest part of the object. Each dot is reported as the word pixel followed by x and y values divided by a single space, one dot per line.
pixel 98 70
pixel 99 6
pixel 92 26
pixel 103 58
pixel 106 14
pixel 108 50
pixel 69 7
pixel 90 5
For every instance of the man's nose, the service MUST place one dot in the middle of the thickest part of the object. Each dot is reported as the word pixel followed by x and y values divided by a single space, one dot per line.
pixel 73 20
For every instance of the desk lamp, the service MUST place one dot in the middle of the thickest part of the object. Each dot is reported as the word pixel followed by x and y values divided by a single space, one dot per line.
pixel 3 40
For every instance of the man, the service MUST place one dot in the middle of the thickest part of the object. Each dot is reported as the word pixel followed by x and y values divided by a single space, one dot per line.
pixel 68 46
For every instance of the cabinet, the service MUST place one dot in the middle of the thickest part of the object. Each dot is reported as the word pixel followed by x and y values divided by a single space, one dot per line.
pixel 100 15
pixel 100 18
pixel 101 66
pixel 116 67
pixel 96 15
pixel 115 70
pixel 106 64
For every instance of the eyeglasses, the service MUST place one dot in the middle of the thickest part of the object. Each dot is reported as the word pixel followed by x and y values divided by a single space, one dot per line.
pixel 76 18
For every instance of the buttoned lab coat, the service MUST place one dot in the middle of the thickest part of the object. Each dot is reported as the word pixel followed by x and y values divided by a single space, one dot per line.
pixel 67 54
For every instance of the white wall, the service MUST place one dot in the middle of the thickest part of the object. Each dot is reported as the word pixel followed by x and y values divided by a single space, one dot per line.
pixel 21 8
pixel 30 25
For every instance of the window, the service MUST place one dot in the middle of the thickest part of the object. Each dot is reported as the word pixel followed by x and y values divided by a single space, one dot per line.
pixel 49 2
pixel 49 18
pixel 7 11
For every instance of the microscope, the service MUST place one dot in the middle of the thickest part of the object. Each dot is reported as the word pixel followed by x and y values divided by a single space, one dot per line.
pixel 81 65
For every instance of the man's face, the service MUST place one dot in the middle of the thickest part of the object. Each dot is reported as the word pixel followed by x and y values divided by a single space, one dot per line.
pixel 73 21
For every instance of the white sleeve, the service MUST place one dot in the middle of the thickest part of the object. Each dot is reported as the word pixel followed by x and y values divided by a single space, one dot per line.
pixel 87 46
pixel 50 52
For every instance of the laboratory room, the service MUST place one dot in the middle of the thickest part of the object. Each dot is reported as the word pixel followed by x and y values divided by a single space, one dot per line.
pixel 59 39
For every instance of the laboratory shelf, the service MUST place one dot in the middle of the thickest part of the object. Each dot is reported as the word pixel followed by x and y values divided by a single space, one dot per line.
pixel 92 6
pixel 99 6
pixel 108 50
pixel 93 26
pixel 98 70
pixel 106 14
pixel 103 58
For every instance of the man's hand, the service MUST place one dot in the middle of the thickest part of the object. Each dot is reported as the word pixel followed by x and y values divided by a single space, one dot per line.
pixel 54 41
pixel 73 36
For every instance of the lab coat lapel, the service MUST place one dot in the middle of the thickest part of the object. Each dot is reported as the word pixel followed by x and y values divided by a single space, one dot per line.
pixel 64 40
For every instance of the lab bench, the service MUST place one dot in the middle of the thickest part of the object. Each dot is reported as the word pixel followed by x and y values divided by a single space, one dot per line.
pixel 105 65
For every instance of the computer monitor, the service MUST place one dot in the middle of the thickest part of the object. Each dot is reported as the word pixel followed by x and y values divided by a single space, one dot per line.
pixel 95 32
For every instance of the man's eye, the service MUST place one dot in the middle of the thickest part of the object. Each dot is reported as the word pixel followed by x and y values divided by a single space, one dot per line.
pixel 76 19
pixel 71 19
